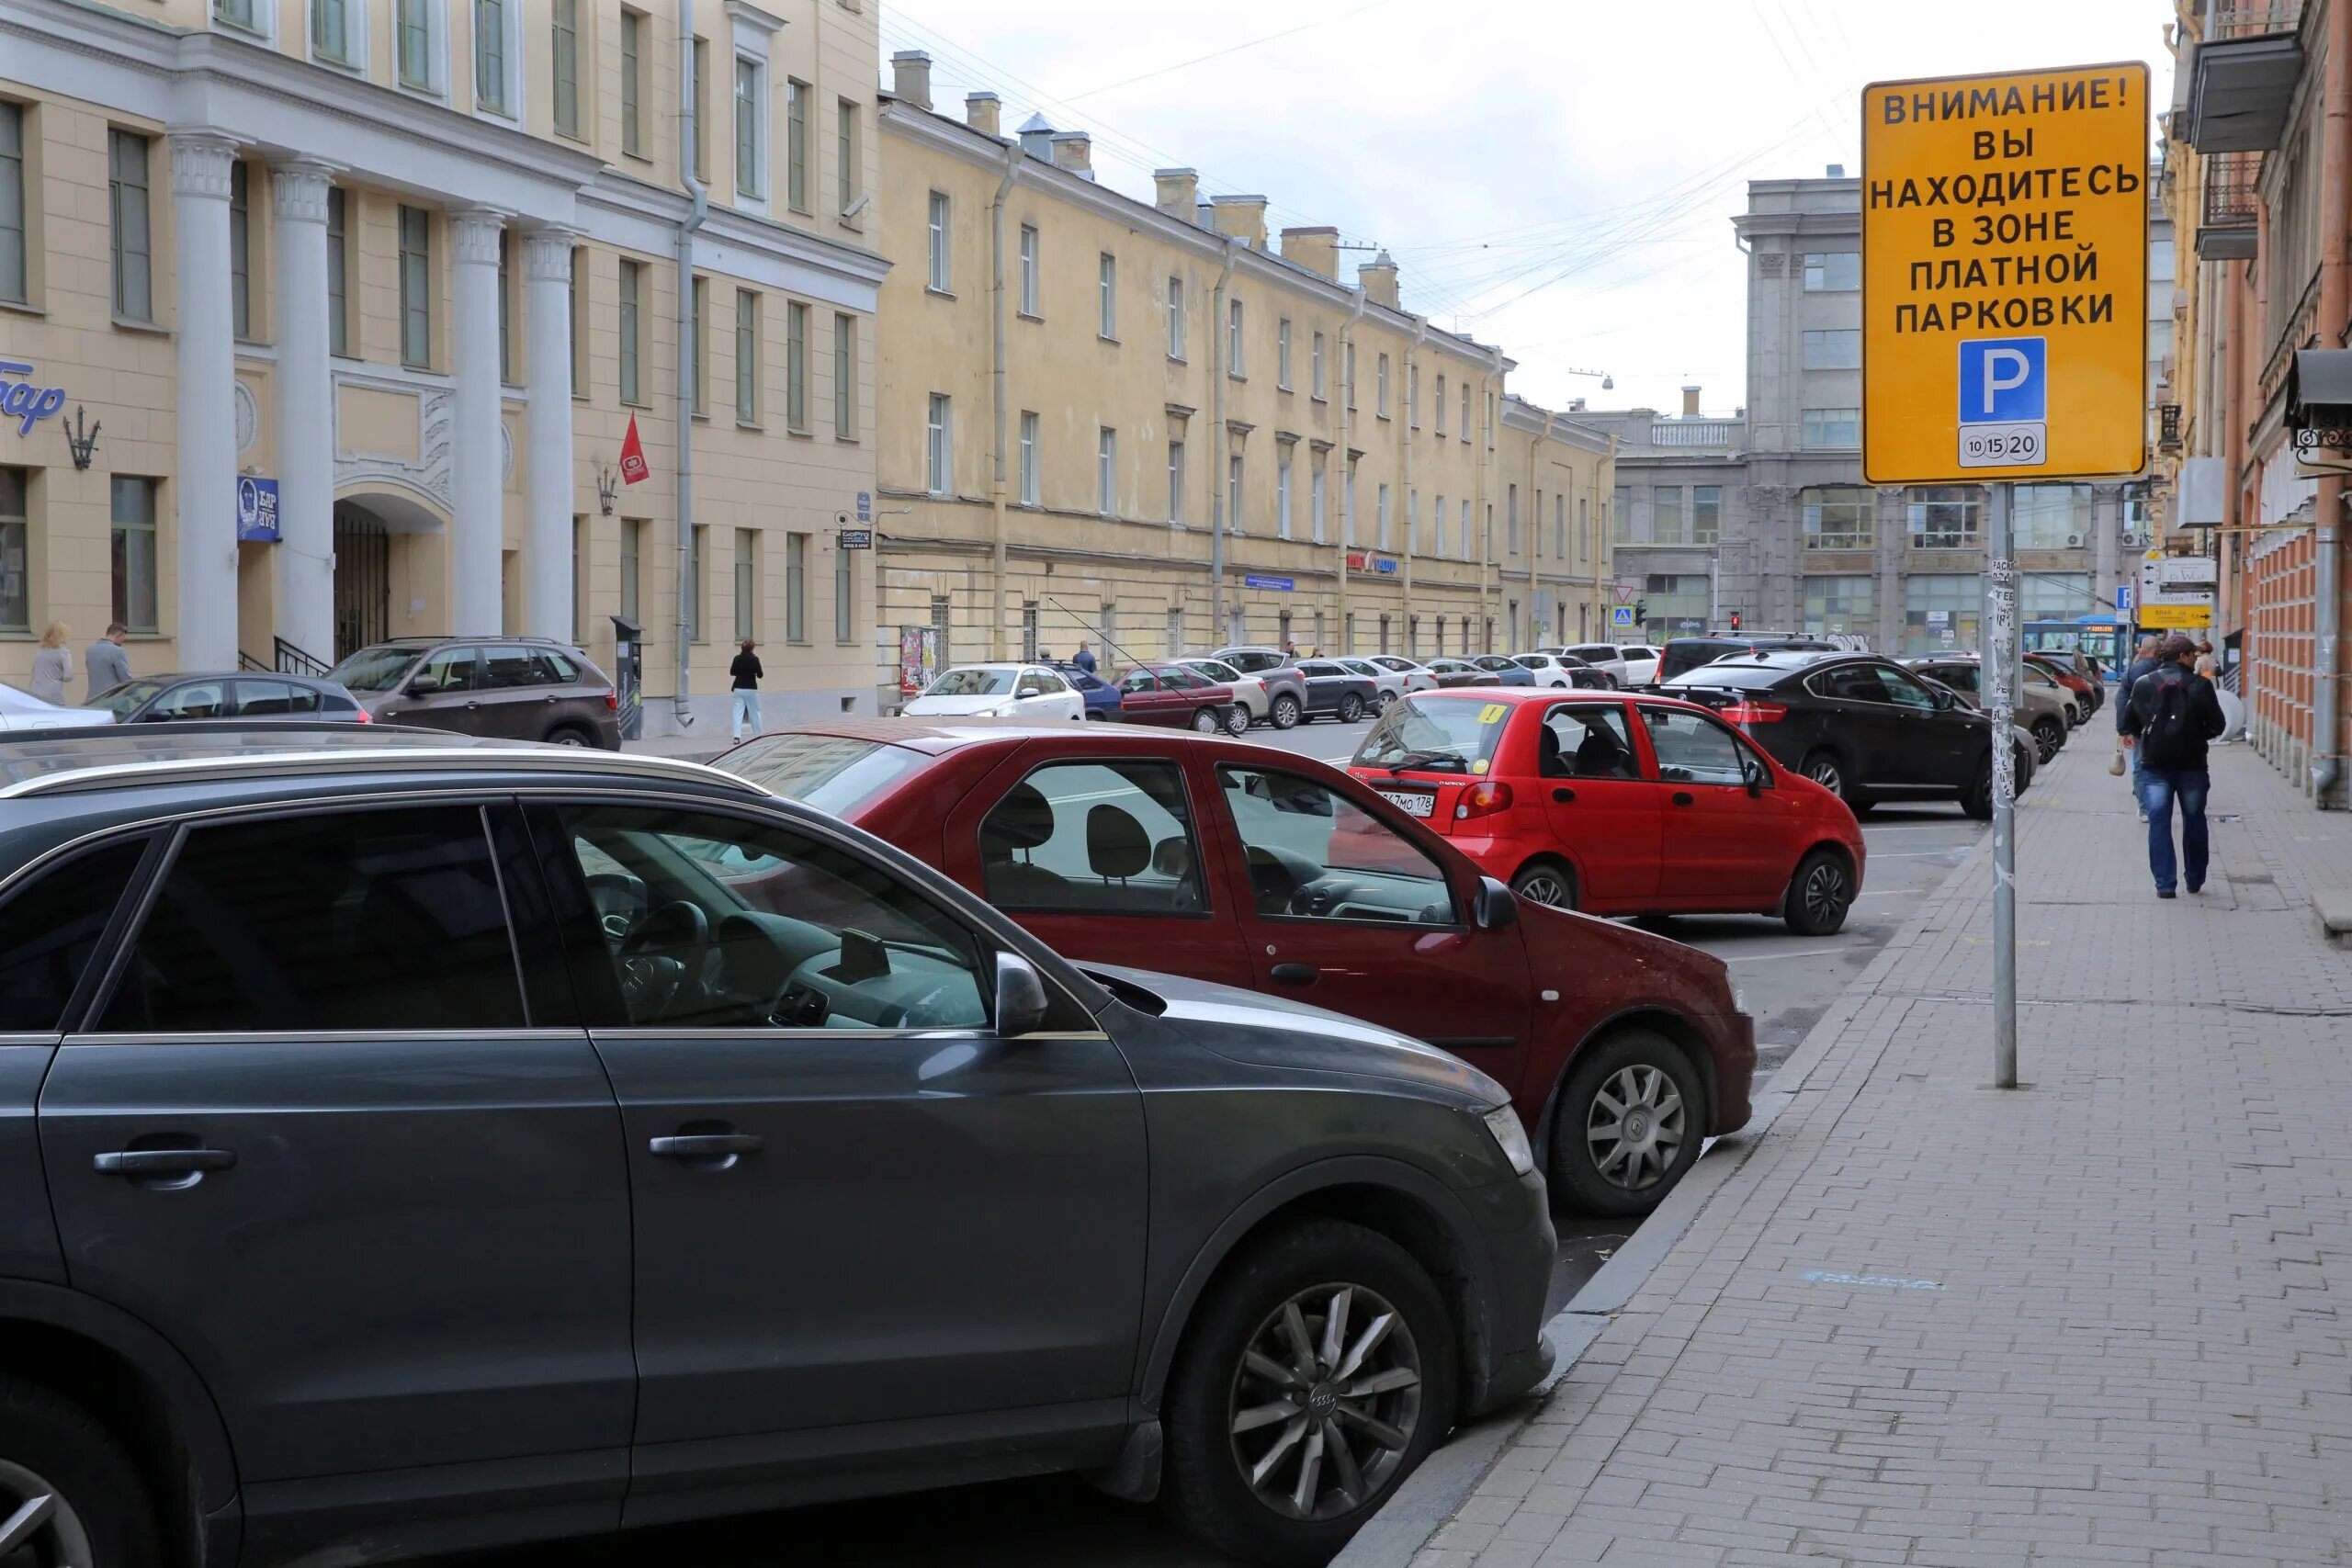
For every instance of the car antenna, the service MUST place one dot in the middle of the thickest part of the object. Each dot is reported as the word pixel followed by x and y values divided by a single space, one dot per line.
pixel 1097 631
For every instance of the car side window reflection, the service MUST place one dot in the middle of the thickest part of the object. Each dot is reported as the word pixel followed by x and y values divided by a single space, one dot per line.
pixel 1313 853
pixel 1904 692
pixel 1585 742
pixel 1111 838
pixel 1692 748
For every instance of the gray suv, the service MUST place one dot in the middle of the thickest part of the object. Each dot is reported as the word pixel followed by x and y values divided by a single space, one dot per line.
pixel 503 688
pixel 410 1144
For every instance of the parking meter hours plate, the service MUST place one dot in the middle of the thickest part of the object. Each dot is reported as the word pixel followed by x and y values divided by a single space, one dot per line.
pixel 2005 276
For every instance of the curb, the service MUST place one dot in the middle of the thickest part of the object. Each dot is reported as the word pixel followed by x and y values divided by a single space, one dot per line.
pixel 1436 1492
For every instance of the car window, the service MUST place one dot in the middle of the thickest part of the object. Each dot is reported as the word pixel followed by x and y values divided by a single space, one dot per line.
pixel 195 699
pixel 1313 853
pixel 1140 681
pixel 1253 663
pixel 719 922
pixel 1629 651
pixel 1216 671
pixel 971 684
pixel 1905 692
pixel 1112 837
pixel 342 920
pixel 558 670
pixel 49 928
pixel 834 773
pixel 1047 683
pixel 378 669
pixel 1852 683
pixel 1591 651
pixel 1585 740
pixel 505 668
pixel 1322 671
pixel 126 699
pixel 1435 734
pixel 1694 749
pixel 452 667
pixel 1960 677
pixel 265 699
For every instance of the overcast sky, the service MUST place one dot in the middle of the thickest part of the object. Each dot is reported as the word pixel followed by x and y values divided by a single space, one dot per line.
pixel 1553 175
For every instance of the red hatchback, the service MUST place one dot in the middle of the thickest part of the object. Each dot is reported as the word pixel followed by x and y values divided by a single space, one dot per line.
pixel 1252 867
pixel 1618 803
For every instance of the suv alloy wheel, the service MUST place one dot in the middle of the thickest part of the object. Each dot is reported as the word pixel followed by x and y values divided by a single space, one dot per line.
pixel 69 1494
pixel 1285 711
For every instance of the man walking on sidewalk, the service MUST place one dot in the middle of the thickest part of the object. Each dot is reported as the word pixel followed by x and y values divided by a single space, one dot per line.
pixel 105 662
pixel 746 674
pixel 2143 660
pixel 2168 716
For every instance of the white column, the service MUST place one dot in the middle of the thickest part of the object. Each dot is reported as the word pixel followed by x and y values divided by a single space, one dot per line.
pixel 477 480
pixel 205 492
pixel 305 551
pixel 546 543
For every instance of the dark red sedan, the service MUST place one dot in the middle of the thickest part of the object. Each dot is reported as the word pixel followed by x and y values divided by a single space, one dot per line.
pixel 1181 698
pixel 1252 867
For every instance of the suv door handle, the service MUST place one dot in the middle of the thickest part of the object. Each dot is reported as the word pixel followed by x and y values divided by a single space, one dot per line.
pixel 1564 796
pixel 161 1162
pixel 1293 974
pixel 1681 797
pixel 705 1145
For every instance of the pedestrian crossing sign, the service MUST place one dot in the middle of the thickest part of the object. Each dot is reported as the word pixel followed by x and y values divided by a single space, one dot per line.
pixel 1621 616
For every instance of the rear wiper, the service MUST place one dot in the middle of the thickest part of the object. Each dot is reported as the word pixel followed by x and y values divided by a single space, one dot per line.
pixel 1426 759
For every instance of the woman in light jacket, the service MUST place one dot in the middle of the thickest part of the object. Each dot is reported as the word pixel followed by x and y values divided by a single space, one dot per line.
pixel 54 663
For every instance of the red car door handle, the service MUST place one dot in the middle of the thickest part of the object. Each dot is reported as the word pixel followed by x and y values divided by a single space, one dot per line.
pixel 1293 974
pixel 1681 797
pixel 1564 796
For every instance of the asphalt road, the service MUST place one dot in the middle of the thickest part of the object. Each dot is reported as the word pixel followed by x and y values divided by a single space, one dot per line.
pixel 1059 1522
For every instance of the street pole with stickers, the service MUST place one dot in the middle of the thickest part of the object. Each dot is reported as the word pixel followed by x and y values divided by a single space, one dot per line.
pixel 2004 302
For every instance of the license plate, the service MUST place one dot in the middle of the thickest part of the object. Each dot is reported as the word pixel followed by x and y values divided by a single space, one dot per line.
pixel 1410 805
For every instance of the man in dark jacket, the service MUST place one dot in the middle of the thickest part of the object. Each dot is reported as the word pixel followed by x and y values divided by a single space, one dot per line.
pixel 745 673
pixel 2168 719
pixel 2142 661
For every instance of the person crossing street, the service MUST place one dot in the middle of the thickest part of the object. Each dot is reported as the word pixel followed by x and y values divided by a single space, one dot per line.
pixel 2169 718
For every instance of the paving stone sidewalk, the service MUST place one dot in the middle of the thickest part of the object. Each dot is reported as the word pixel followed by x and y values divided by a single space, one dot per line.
pixel 2105 1319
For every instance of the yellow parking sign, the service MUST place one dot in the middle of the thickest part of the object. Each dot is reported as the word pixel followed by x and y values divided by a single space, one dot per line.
pixel 2005 276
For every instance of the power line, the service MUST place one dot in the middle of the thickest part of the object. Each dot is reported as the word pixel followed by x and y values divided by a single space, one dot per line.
pixel 1236 48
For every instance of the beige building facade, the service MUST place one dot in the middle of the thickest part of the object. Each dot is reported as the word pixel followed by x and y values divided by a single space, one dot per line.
pixel 1146 424
pixel 408 269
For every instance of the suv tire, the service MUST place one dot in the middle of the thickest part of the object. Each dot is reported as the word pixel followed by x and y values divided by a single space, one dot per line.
pixel 570 734
pixel 100 1515
pixel 1351 710
pixel 1310 1267
pixel 1285 712
pixel 2049 734
pixel 1603 1166
pixel 1976 800
pixel 1827 769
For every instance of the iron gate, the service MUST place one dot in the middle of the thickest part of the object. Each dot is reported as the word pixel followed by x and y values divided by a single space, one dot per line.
pixel 363 582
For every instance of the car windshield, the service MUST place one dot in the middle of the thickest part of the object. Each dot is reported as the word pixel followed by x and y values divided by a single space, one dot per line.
pixel 1532 661
pixel 831 773
pixel 375 669
pixel 128 698
pixel 1215 671
pixel 972 684
pixel 1438 733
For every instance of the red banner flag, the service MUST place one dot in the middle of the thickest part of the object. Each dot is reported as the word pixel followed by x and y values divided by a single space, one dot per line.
pixel 633 467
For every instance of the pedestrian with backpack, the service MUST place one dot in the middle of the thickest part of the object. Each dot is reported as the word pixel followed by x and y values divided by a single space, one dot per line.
pixel 2168 719
pixel 2143 660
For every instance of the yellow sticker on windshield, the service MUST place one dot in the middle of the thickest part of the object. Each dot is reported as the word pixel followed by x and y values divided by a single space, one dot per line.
pixel 1493 712
pixel 1479 766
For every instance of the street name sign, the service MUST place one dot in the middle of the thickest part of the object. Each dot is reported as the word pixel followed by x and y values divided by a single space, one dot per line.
pixel 2005 276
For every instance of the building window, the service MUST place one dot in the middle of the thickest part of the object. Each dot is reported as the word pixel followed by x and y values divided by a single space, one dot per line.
pixel 1466 541
pixel 127 203
pixel 572 288
pixel 1106 472
pixel 13 270
pixel 135 596
pixel 414 25
pixel 338 273
pixel 567 68
pixel 938 242
pixel 747 583
pixel 844 375
pixel 1837 271
pixel 748 105
pixel 1437 520
pixel 1941 610
pixel 416 287
pixel 241 252
pixel 1107 295
pixel 1381 520
pixel 1510 520
pixel 632 556
pixel 795 366
pixel 1282 493
pixel 1175 481
pixel 1315 369
pixel 796 144
pixel 15 551
pixel 1559 525
pixel 1706 514
pixel 845 153
pixel 1281 353
pixel 1348 506
pixel 1412 521
pixel 1233 493
pixel 1028 458
pixel 1840 518
pixel 747 356
pixel 632 342
pixel 1233 364
pixel 844 595
pixel 698 582
pixel 700 145
pixel 1837 604
pixel 490 55
pixel 939 478
pixel 2051 517
pixel 1584 535
pixel 1028 269
pixel 331 30
pixel 1314 499
pixel 1833 427
pixel 2055 596
pixel 796 587
pixel 698 346
pixel 1464 428
pixel 1440 405
pixel 632 82
pixel 1413 396
pixel 1175 318
pixel 1666 515
pixel 1943 517
pixel 1379 385
pixel 1835 349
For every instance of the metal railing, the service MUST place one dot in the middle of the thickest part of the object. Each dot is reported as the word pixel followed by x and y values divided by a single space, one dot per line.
pixel 292 660
pixel 2230 200
pixel 2252 18
pixel 1695 432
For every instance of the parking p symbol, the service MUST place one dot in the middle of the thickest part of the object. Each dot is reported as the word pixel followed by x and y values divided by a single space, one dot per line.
pixel 2002 380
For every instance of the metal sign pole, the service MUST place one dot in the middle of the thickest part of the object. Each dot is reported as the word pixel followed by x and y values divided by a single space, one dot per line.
pixel 2004 659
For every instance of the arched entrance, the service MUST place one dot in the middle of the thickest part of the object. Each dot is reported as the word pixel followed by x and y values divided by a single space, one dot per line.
pixel 388 569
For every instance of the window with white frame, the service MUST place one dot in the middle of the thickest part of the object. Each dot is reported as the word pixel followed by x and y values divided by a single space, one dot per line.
pixel 498 58
pixel 939 241
pixel 129 239
pixel 1833 427
pixel 1233 494
pixel 1833 349
pixel 844 375
pixel 1107 471
pixel 751 130
pixel 1559 526
pixel 1107 295
pixel 1440 403
pixel 795 366
pixel 1315 387
pixel 1463 538
pixel 796 144
pixel 339 32
pixel 1233 364
pixel 1314 499
pixel 1175 483
pixel 13 272
pixel 1412 521
pixel 1348 506
pixel 1834 272
pixel 747 357
pixel 632 78
pixel 1436 526
pixel 1281 353
pixel 1380 388
pixel 1380 524
pixel 847 170
pixel 1029 480
pixel 1463 429
pixel 420 47
pixel 1282 493
pixel 1028 269
pixel 256 17
pixel 939 478
pixel 1175 317
pixel 1510 520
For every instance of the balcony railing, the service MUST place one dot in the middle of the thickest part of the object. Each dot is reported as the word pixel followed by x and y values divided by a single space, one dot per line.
pixel 1721 432
pixel 2252 18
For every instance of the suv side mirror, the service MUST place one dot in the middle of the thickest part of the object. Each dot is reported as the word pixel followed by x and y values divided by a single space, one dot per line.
pixel 1020 995
pixel 1494 906
pixel 424 685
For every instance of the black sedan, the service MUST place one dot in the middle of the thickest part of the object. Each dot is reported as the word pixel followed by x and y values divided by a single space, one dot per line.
pixel 1862 726
pixel 151 699
pixel 1337 690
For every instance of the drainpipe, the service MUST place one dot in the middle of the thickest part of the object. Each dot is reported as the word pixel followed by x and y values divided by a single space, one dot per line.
pixel 999 548
pixel 1412 500
pixel 686 350
pixel 2334 298
pixel 1221 460
pixel 1489 396
pixel 1536 452
pixel 1347 490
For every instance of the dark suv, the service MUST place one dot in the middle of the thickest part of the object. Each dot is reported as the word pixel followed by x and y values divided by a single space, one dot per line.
pixel 505 688
pixel 411 1144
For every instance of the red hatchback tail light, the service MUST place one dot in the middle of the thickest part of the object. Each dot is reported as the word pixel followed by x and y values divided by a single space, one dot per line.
pixel 1482 799
pixel 1754 713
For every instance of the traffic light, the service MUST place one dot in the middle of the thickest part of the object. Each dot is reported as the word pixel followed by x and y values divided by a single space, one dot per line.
pixel 1735 620
pixel 1641 611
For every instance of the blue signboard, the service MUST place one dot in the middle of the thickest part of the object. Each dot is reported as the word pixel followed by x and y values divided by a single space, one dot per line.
pixel 1277 584
pixel 2123 598
pixel 2002 379
pixel 1387 568
pixel 866 506
pixel 22 400
pixel 256 510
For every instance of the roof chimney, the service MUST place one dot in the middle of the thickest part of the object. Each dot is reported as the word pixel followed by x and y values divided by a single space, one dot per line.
pixel 1178 192
pixel 1836 170
pixel 1037 137
pixel 1689 402
pixel 1378 278
pixel 1316 250
pixel 1074 151
pixel 980 112
pixel 911 76
pixel 1243 218
pixel 1204 215
pixel 1575 405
